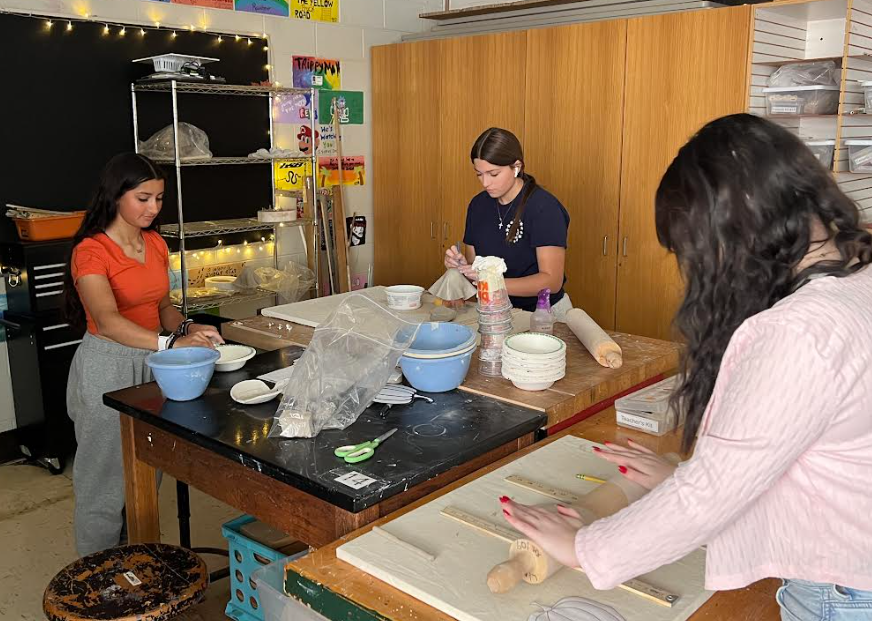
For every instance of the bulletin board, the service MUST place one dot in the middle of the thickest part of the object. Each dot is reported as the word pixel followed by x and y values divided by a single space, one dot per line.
pixel 66 110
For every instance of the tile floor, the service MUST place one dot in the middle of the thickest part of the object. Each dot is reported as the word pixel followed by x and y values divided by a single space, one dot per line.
pixel 36 538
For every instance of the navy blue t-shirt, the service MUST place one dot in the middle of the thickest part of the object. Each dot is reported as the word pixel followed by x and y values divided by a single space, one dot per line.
pixel 545 221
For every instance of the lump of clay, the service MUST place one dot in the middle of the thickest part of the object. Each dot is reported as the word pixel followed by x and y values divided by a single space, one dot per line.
pixel 452 288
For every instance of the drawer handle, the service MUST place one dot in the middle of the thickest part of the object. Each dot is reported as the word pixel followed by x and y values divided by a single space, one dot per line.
pixel 52 275
pixel 59 345
pixel 49 285
pixel 46 294
pixel 51 266
pixel 605 245
pixel 625 246
pixel 55 327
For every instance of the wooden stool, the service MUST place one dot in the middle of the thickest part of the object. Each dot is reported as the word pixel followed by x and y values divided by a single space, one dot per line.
pixel 142 582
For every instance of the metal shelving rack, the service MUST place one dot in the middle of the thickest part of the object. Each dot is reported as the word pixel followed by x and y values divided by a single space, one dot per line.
pixel 183 230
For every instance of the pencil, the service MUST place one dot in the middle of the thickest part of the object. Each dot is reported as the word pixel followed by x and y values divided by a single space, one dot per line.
pixel 587 477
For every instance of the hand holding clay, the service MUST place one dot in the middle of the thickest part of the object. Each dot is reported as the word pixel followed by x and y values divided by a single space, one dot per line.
pixel 198 339
pixel 639 464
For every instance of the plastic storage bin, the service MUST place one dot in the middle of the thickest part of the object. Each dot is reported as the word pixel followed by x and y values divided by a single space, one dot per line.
pixel 275 605
pixel 49 227
pixel 859 155
pixel 823 150
pixel 816 99
pixel 648 409
pixel 867 92
pixel 247 556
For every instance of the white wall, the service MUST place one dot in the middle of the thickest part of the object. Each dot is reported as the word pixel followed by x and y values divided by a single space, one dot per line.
pixel 362 24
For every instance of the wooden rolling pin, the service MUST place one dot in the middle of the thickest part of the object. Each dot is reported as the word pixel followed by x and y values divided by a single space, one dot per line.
pixel 598 343
pixel 527 562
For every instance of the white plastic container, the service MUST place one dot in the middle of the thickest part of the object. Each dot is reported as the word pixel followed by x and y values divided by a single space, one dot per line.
pixel 794 100
pixel 648 409
pixel 867 91
pixel 274 604
pixel 823 150
pixel 859 155
pixel 404 297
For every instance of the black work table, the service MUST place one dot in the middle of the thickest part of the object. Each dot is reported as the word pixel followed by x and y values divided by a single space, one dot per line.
pixel 222 448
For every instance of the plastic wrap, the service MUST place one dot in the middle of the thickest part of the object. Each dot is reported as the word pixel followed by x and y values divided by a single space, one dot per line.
pixel 291 283
pixel 193 144
pixel 349 360
pixel 820 73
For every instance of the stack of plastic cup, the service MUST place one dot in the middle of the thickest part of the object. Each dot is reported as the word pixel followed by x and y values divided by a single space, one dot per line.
pixel 494 324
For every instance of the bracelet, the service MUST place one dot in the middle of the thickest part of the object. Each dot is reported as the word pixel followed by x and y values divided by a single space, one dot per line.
pixel 162 342
pixel 171 340
pixel 182 330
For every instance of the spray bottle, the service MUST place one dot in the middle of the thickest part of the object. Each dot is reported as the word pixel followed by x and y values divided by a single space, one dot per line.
pixel 542 319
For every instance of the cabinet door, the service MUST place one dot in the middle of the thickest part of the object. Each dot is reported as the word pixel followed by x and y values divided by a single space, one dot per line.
pixel 683 70
pixel 405 168
pixel 482 86
pixel 574 109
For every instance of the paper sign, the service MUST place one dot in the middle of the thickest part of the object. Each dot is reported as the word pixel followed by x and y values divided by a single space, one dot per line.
pixel 131 578
pixel 291 174
pixel 321 73
pixel 211 4
pixel 292 108
pixel 318 10
pixel 355 480
pixel 353 171
pixel 329 140
pixel 350 104
pixel 264 7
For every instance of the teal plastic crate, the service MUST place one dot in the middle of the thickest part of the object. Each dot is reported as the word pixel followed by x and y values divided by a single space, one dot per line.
pixel 246 556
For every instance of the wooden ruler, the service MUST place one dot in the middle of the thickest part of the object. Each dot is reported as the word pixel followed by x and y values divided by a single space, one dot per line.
pixel 542 488
pixel 636 587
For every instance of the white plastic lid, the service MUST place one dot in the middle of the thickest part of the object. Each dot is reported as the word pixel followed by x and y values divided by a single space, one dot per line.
pixel 791 89
pixel 820 143
pixel 859 142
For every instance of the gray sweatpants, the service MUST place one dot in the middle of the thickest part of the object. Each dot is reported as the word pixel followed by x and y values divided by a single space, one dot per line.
pixel 98 367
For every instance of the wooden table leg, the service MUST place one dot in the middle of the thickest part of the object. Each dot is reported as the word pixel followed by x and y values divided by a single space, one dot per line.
pixel 143 516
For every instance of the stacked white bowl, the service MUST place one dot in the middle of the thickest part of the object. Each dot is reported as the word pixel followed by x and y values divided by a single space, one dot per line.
pixel 533 361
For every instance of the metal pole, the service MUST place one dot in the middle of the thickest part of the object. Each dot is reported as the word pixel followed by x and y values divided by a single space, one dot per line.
pixel 135 119
pixel 272 184
pixel 183 260
pixel 317 249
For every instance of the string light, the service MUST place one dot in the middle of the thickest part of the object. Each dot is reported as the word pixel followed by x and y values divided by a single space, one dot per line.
pixel 220 39
pixel 266 48
pixel 174 34
pixel 238 37
pixel 249 41
pixel 157 24
pixel 142 32
pixel 49 24
pixel 105 29
pixel 192 28
pixel 267 67
pixel 69 26
pixel 122 32
pixel 263 35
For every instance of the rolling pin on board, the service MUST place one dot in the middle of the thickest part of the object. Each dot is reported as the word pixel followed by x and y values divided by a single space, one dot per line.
pixel 600 345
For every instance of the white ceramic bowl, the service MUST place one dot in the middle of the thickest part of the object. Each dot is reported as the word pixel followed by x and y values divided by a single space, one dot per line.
pixel 222 283
pixel 233 357
pixel 535 344
pixel 404 297
pixel 532 386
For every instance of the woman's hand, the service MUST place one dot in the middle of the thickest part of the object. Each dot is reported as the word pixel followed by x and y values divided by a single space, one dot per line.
pixel 639 464
pixel 211 332
pixel 203 338
pixel 553 532
pixel 454 258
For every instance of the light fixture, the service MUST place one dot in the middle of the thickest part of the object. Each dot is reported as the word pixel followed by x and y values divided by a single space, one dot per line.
pixel 105 29
pixel 122 32
pixel 49 24
pixel 142 32
pixel 69 26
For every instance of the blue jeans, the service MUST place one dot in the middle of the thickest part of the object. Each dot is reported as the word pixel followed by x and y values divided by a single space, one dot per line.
pixel 801 600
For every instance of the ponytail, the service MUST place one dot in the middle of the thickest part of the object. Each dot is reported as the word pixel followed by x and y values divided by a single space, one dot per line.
pixel 530 186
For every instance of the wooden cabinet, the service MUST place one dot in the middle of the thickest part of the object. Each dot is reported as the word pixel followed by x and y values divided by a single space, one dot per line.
pixel 683 70
pixel 573 147
pixel 601 109
pixel 405 164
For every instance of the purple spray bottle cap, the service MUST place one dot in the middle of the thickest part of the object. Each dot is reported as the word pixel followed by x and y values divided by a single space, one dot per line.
pixel 544 299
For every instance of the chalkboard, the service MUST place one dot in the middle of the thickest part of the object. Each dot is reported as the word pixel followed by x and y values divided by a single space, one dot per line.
pixel 66 109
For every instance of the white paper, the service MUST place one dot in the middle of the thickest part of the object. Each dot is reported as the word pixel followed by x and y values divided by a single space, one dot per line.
pixel 355 480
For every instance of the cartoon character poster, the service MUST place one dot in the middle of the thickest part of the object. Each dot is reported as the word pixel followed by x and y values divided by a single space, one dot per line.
pixel 320 73
pixel 264 7
pixel 356 230
pixel 349 103
pixel 293 108
pixel 304 139
pixel 353 171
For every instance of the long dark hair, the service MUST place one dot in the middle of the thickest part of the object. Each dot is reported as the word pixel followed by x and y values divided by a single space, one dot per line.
pixel 502 148
pixel 737 206
pixel 121 174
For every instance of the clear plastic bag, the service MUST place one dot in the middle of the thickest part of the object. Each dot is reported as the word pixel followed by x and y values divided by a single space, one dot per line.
pixel 349 360
pixel 820 73
pixel 193 144
pixel 291 283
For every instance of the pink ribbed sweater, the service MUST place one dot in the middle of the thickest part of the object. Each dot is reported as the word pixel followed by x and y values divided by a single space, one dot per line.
pixel 779 482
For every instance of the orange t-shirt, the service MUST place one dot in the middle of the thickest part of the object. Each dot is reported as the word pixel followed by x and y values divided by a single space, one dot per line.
pixel 138 287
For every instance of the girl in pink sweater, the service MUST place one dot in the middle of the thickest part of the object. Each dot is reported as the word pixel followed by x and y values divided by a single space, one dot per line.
pixel 776 382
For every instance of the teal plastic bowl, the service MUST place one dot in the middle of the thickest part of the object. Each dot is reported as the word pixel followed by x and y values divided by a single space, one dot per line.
pixel 183 374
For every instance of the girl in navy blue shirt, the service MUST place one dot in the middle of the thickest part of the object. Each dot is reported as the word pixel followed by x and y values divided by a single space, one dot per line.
pixel 517 220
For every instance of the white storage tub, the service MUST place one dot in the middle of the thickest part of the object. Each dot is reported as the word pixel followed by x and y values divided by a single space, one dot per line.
pixel 794 100
pixel 823 150
pixel 859 155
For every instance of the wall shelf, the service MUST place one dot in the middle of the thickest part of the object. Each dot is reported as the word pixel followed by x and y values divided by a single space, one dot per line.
pixel 225 227
pixel 199 88
pixel 238 298
pixel 223 161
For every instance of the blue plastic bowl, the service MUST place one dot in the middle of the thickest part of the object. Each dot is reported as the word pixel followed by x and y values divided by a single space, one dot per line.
pixel 440 338
pixel 436 374
pixel 183 374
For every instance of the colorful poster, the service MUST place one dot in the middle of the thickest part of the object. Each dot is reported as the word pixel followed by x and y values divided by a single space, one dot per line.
pixel 318 10
pixel 210 4
pixel 350 105
pixel 292 108
pixel 291 174
pixel 325 139
pixel 314 72
pixel 355 229
pixel 353 171
pixel 328 140
pixel 264 7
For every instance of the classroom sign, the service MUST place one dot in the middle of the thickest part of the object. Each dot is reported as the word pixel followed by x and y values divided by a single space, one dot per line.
pixel 320 73
pixel 329 141
pixel 264 7
pixel 318 10
pixel 350 104
pixel 210 4
pixel 292 108
pixel 353 171
pixel 292 174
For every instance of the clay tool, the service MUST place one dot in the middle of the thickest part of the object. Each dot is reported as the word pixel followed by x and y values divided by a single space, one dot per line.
pixel 587 477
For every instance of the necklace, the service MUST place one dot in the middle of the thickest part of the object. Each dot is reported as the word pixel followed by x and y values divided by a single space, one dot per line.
pixel 519 232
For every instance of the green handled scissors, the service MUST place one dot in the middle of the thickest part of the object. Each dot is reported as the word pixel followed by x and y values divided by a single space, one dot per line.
pixel 354 453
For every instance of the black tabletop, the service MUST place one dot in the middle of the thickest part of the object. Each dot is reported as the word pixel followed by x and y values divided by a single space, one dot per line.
pixel 430 438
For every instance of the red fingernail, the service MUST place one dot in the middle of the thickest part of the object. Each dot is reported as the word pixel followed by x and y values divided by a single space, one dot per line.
pixel 622 469
pixel 562 506
pixel 504 499
pixel 606 443
pixel 597 449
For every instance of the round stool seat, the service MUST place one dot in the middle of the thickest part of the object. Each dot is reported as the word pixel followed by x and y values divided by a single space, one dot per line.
pixel 143 581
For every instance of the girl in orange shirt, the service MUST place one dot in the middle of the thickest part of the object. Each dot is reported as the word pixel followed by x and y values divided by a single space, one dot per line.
pixel 117 283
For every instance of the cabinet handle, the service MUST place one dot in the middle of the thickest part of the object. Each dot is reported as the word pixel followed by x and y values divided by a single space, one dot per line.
pixel 625 246
pixel 444 231
pixel 605 245
pixel 432 233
